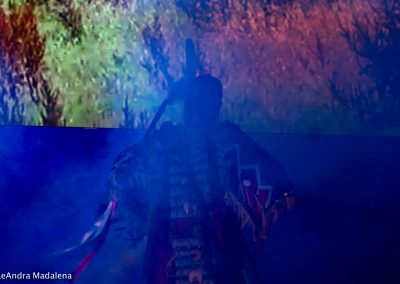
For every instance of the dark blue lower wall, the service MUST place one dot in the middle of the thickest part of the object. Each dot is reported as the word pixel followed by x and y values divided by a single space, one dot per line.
pixel 346 231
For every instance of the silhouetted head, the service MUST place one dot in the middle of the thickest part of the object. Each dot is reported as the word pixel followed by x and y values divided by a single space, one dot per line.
pixel 203 101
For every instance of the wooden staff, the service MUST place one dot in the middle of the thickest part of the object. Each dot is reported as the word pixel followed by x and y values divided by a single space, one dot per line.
pixel 176 89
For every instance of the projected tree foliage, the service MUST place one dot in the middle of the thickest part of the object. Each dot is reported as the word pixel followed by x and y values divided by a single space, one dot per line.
pixel 287 66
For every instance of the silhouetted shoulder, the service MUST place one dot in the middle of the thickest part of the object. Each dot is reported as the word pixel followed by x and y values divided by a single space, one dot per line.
pixel 252 154
pixel 170 135
pixel 229 125
pixel 232 134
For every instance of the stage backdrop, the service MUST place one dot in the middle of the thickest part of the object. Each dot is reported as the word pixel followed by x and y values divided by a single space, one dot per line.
pixel 305 66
